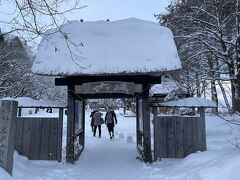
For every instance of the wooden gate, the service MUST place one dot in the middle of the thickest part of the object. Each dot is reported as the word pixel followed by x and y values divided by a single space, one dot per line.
pixel 39 138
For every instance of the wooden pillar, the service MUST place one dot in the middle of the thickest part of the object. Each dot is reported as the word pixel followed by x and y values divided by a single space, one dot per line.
pixel 60 128
pixel 155 111
pixel 70 127
pixel 82 135
pixel 203 129
pixel 147 152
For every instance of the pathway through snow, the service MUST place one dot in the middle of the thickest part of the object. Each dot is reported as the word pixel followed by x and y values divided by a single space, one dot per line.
pixel 105 159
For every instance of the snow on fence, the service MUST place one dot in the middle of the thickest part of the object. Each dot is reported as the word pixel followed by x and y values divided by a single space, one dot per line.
pixel 39 138
pixel 8 114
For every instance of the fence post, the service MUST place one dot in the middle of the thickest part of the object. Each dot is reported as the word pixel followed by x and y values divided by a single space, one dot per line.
pixel 8 115
pixel 203 128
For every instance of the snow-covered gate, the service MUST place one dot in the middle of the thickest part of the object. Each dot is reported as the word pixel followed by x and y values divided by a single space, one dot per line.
pixel 85 87
pixel 114 61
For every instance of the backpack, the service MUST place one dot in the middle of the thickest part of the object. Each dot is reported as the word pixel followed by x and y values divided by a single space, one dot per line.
pixel 109 118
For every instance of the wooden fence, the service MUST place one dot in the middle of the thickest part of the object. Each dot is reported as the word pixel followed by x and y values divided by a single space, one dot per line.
pixel 177 136
pixel 39 138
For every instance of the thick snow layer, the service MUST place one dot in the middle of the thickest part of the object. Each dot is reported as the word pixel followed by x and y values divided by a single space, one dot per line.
pixel 29 102
pixel 166 87
pixel 123 46
pixel 189 102
pixel 104 159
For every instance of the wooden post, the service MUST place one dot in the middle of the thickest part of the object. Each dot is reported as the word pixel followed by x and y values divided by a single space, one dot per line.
pixel 70 127
pixel 146 125
pixel 8 115
pixel 155 111
pixel 203 129
pixel 60 128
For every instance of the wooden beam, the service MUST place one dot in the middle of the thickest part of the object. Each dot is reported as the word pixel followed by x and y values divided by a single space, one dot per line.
pixel 105 96
pixel 78 80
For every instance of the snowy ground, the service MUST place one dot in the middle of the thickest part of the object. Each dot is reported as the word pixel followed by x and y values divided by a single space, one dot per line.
pixel 105 159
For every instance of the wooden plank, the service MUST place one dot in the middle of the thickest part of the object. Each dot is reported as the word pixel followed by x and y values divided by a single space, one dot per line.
pixel 185 137
pixel 155 133
pixel 32 138
pixel 195 120
pixel 21 130
pixel 181 137
pixel 59 135
pixel 164 136
pixel 48 138
pixel 36 141
pixel 27 129
pixel 44 140
pixel 51 152
pixel 17 138
pixel 204 143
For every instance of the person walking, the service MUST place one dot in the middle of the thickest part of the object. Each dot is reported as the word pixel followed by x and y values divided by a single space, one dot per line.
pixel 92 119
pixel 97 123
pixel 111 121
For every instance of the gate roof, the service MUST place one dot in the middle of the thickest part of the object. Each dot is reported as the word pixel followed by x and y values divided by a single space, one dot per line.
pixel 107 47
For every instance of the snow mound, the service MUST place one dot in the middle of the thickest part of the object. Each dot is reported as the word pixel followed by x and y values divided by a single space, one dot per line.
pixel 123 46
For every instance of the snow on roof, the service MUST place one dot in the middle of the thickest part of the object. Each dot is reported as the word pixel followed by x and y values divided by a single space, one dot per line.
pixel 123 46
pixel 189 102
pixel 167 86
pixel 29 102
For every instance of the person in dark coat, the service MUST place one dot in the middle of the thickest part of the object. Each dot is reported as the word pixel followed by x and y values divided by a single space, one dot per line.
pixel 111 121
pixel 97 123
pixel 92 120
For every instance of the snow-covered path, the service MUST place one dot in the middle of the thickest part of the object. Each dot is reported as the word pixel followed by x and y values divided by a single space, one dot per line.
pixel 102 158
pixel 105 159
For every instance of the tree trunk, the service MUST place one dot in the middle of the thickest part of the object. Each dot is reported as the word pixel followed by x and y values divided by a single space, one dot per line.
pixel 224 96
pixel 233 86
pixel 214 96
pixel 237 94
pixel 198 85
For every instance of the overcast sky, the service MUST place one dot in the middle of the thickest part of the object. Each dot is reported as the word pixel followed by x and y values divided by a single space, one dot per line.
pixel 97 10
pixel 120 9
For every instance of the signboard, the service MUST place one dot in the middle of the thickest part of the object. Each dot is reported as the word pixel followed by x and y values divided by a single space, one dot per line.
pixel 140 114
pixel 108 87
pixel 77 148
pixel 78 115
pixel 8 115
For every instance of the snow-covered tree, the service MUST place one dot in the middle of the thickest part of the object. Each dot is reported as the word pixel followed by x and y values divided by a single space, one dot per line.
pixel 30 19
pixel 15 64
pixel 207 34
